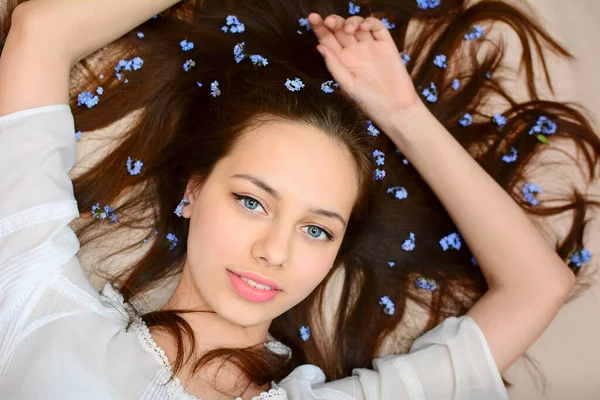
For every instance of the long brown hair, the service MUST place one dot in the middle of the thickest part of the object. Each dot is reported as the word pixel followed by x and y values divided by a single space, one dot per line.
pixel 181 131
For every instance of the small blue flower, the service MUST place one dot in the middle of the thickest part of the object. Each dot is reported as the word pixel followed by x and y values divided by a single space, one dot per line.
pixel 189 64
pixel 98 212
pixel 431 93
pixel 530 192
pixel 304 23
pixel 466 120
pixel 499 120
pixel 425 4
pixel 426 284
pixel 379 157
pixel 100 90
pixel 233 25
pixel 172 240
pixel 391 264
pixel 140 35
pixel 452 241
pixel 128 65
pixel 326 86
pixel 103 213
pixel 238 52
pixel 379 174
pixel 399 192
pixel 294 85
pixel 304 333
pixel 409 244
pixel 101 76
pixel 136 168
pixel 543 126
pixel 387 23
pixel 388 305
pixel 476 32
pixel 186 45
pixel 353 9
pixel 405 58
pixel 137 63
pixel 511 156
pixel 77 135
pixel 440 61
pixel 199 84
pixel 456 84
pixel 473 261
pixel 87 98
pixel 488 75
pixel 371 130
pixel 259 60
pixel 581 257
pixel 214 89
pixel 182 203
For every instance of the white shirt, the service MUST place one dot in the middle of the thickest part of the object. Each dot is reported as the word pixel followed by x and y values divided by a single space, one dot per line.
pixel 61 339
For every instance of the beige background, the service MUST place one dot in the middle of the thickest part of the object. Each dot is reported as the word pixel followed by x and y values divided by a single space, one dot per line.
pixel 568 352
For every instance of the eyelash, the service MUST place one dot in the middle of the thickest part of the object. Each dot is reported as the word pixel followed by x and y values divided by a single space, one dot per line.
pixel 239 197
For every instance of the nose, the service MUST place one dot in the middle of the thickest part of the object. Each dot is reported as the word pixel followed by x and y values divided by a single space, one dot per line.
pixel 273 247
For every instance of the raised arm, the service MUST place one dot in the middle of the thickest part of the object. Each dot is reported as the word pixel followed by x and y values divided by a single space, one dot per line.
pixel 47 37
pixel 511 252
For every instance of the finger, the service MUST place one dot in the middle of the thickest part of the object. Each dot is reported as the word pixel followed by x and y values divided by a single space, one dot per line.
pixel 323 33
pixel 376 28
pixel 340 73
pixel 336 24
pixel 351 26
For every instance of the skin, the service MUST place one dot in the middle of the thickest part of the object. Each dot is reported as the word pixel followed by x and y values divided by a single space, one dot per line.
pixel 277 239
pixel 43 45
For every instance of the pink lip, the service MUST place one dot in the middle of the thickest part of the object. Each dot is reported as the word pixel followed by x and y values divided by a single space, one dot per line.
pixel 258 279
pixel 249 292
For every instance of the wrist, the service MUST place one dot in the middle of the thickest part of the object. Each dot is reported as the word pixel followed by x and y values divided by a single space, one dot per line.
pixel 405 124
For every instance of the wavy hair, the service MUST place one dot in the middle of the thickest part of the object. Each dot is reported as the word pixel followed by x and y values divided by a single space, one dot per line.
pixel 181 131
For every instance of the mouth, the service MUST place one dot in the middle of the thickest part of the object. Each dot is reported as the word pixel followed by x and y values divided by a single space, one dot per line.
pixel 251 290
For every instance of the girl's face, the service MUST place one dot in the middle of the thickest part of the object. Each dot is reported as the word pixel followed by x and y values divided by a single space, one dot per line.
pixel 276 207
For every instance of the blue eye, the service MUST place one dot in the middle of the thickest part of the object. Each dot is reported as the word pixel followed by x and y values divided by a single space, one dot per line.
pixel 250 204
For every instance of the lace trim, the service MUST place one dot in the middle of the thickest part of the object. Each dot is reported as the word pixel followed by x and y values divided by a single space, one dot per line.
pixel 38 214
pixel 174 388
pixel 69 289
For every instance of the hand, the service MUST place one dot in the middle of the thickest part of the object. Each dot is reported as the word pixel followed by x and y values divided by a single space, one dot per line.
pixel 362 57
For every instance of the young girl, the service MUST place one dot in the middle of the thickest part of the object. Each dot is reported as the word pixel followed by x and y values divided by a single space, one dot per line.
pixel 254 160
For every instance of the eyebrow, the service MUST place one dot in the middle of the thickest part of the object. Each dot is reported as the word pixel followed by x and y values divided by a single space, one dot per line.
pixel 264 186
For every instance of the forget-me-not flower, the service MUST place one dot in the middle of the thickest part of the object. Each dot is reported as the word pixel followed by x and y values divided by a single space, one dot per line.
pixel 440 61
pixel 371 130
pixel 431 93
pixel 455 84
pixel 214 89
pixel 134 168
pixel 581 257
pixel 388 305
pixel 425 4
pixel 426 284
pixel 304 332
pixel 476 32
pixel 398 191
pixel 466 120
pixel 353 9
pixel 182 203
pixel 510 156
pixel 87 98
pixel 452 241
pixel 294 85
pixel 409 244
pixel 186 45
pixel 530 192
pixel 258 60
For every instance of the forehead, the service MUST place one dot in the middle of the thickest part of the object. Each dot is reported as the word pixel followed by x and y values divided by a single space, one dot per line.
pixel 300 162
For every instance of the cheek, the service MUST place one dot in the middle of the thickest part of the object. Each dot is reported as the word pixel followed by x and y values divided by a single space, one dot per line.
pixel 217 230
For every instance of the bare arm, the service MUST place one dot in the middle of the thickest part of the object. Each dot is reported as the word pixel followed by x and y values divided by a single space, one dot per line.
pixel 528 282
pixel 48 37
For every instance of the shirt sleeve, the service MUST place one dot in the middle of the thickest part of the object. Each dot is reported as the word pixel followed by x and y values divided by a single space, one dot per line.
pixel 451 362
pixel 37 151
